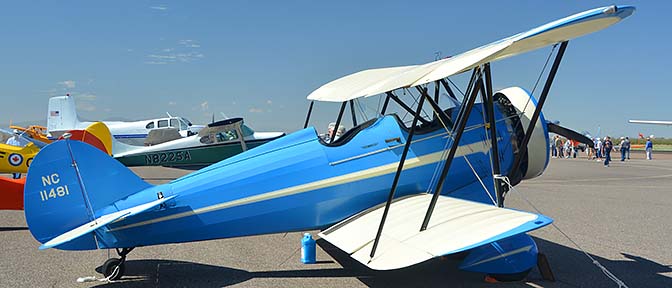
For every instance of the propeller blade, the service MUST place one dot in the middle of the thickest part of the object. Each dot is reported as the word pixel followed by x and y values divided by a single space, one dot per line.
pixel 569 134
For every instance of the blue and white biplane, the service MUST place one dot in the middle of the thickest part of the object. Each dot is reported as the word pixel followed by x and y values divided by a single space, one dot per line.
pixel 389 194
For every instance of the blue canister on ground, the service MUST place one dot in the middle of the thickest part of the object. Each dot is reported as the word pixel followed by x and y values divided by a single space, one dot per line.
pixel 307 249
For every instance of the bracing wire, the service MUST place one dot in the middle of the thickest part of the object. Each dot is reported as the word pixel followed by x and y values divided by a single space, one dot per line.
pixel 444 156
pixel 599 265
pixel 458 88
pixel 541 73
pixel 361 107
pixel 415 101
pixel 544 69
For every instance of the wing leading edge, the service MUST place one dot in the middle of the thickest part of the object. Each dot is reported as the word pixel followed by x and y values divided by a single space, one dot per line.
pixel 375 81
pixel 456 225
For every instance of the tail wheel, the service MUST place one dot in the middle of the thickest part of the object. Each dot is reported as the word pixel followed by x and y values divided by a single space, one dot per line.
pixel 113 269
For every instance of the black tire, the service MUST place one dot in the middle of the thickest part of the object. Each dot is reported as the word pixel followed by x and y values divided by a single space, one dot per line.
pixel 511 277
pixel 110 270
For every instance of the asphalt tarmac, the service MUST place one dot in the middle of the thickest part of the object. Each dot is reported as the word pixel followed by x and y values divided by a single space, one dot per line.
pixel 619 215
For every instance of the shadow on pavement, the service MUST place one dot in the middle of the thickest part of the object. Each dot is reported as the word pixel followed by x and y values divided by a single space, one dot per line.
pixel 570 266
pixel 3 229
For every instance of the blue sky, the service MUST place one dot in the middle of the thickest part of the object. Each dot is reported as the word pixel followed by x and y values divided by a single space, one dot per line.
pixel 260 59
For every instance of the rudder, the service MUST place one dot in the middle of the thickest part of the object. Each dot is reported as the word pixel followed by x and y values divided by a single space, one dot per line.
pixel 62 114
pixel 68 184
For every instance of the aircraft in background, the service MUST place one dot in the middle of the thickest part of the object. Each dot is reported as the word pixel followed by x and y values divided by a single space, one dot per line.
pixel 439 184
pixel 217 141
pixel 17 156
pixel 36 132
pixel 62 117
pixel 11 190
pixel 654 122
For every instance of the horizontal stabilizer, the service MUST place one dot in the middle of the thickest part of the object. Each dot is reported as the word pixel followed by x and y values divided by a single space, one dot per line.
pixel 100 222
pixel 456 225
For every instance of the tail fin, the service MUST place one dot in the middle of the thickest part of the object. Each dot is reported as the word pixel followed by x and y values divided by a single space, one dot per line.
pixel 97 135
pixel 68 184
pixel 62 114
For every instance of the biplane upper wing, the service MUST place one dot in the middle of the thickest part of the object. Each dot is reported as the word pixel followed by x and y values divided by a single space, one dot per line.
pixel 456 225
pixel 375 81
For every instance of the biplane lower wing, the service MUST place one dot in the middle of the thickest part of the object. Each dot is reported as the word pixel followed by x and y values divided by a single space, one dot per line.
pixel 456 225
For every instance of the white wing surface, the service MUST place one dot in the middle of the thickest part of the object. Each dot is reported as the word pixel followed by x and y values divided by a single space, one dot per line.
pixel 456 225
pixel 375 81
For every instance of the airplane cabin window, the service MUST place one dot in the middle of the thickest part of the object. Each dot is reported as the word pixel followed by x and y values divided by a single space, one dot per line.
pixel 173 123
pixel 150 125
pixel 186 121
pixel 207 139
pixel 226 136
pixel 183 125
pixel 163 123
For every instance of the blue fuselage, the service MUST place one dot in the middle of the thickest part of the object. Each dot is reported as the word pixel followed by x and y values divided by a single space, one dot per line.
pixel 300 183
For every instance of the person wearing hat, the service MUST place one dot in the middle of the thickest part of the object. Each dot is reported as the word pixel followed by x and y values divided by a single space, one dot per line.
pixel 649 149
pixel 15 140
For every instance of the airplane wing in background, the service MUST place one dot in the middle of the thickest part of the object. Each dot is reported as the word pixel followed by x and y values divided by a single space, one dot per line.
pixel 654 122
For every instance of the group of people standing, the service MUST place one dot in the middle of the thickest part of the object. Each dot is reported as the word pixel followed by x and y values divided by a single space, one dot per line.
pixel 568 148
pixel 563 148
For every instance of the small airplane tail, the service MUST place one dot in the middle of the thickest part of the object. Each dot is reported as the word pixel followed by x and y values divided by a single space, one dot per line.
pixel 97 134
pixel 11 193
pixel 62 114
pixel 70 184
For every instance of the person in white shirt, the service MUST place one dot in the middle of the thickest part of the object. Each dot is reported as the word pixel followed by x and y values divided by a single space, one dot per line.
pixel 15 140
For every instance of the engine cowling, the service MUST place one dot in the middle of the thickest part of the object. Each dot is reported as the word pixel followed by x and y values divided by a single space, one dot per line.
pixel 538 148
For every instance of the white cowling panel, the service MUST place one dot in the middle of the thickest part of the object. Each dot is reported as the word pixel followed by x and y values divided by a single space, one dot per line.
pixel 537 148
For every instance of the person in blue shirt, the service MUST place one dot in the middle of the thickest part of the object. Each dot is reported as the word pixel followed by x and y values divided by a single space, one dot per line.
pixel 649 149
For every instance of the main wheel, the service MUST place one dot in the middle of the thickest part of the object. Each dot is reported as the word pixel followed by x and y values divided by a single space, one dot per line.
pixel 113 268
pixel 511 277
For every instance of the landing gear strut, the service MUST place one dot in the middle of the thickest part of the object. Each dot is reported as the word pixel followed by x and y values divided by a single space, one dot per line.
pixel 113 268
